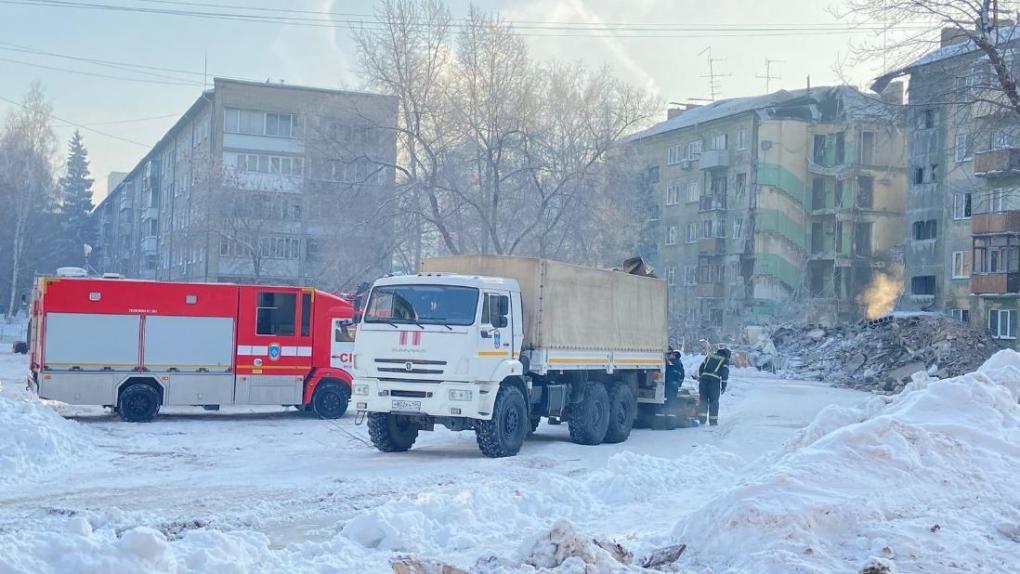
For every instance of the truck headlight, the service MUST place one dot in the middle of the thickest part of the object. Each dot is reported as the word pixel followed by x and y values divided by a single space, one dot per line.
pixel 361 389
pixel 458 395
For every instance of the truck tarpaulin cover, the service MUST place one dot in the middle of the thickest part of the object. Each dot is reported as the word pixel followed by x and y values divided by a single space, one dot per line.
pixel 572 307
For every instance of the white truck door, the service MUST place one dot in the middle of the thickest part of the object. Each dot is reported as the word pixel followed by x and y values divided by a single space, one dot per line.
pixel 341 350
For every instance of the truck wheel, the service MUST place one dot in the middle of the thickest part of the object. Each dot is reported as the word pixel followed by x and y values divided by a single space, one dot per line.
pixel 330 400
pixel 138 403
pixel 20 348
pixel 589 419
pixel 504 434
pixel 391 433
pixel 622 409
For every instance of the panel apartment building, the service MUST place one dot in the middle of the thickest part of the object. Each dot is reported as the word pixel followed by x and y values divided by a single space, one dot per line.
pixel 255 183
pixel 786 202
pixel 963 205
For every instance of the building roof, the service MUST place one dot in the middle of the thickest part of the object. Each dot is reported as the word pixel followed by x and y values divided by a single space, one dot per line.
pixel 854 104
pixel 1003 34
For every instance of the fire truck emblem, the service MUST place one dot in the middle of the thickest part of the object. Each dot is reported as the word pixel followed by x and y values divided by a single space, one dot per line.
pixel 274 351
pixel 409 366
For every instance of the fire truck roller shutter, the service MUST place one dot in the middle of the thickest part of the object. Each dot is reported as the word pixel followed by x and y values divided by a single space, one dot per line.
pixel 91 342
pixel 197 353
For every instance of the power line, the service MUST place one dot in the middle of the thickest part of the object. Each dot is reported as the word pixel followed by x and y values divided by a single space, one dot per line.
pixel 536 28
pixel 97 75
pixel 82 126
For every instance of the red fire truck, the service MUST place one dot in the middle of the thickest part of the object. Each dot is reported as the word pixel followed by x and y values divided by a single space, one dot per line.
pixel 135 346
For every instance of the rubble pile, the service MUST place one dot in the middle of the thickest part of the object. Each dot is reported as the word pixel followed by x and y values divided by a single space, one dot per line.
pixel 880 355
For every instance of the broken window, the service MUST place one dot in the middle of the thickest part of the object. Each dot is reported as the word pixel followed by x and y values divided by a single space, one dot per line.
pixel 862 239
pixel 918 175
pixel 819 150
pixel 865 192
pixel 867 148
pixel 961 206
pixel 962 150
pixel 924 230
pixel 922 285
pixel 817 193
pixel 840 148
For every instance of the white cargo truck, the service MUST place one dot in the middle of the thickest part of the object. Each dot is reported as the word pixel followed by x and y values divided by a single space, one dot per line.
pixel 494 344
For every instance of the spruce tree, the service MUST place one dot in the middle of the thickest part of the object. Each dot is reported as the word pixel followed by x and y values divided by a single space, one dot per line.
pixel 76 204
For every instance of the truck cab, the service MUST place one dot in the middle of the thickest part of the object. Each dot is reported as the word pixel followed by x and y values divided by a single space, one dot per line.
pixel 438 346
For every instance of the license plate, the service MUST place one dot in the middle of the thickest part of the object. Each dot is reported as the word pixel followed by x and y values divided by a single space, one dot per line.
pixel 406 406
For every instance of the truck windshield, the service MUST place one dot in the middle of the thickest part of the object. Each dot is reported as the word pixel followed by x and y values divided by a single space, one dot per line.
pixel 425 304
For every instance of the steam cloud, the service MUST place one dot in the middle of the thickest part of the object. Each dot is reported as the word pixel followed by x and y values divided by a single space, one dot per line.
pixel 880 296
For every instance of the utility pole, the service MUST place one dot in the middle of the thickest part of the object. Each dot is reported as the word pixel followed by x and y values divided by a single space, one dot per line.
pixel 713 78
pixel 768 77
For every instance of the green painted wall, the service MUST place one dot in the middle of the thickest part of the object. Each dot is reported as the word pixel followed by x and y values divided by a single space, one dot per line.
pixel 778 267
pixel 784 180
pixel 775 221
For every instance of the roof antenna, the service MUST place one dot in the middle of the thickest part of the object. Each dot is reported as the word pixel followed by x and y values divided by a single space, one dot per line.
pixel 809 82
pixel 768 77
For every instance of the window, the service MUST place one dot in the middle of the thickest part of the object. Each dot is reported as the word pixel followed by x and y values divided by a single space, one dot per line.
pixel 671 235
pixel 926 120
pixel 693 193
pixel 277 165
pixel 738 228
pixel 819 149
pixel 719 141
pixel 742 139
pixel 997 201
pixel 1001 139
pixel 867 148
pixel 962 315
pixel 492 305
pixel 706 229
pixel 840 148
pixel 719 189
pixel 672 194
pixel 862 239
pixel 674 154
pixel 924 230
pixel 1002 323
pixel 671 276
pixel 275 313
pixel 425 304
pixel 306 314
pixel 257 123
pixel 933 173
pixel 961 206
pixel 691 275
pixel 997 254
pixel 653 174
pixel 817 193
pixel 740 183
pixel 694 149
pixel 961 265
pixel 692 232
pixel 922 285
pixel 962 150
pixel 345 331
pixel 865 192
pixel 918 175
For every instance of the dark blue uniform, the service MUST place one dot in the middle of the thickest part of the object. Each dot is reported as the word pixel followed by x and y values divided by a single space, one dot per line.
pixel 713 375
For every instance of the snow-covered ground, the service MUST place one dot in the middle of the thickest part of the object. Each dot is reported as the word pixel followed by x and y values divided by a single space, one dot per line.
pixel 927 483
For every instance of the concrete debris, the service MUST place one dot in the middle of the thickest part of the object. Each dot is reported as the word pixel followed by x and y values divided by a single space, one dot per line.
pixel 663 557
pixel 408 565
pixel 880 355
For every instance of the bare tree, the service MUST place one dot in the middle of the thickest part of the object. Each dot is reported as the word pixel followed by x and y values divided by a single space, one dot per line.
pixel 27 148
pixel 498 153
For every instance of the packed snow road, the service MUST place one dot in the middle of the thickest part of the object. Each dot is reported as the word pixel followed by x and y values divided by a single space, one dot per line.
pixel 239 491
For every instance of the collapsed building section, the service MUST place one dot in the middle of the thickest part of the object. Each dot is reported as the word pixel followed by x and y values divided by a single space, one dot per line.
pixel 776 204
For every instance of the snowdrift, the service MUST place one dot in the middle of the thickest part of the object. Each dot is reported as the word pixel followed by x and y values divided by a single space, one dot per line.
pixel 35 439
pixel 925 481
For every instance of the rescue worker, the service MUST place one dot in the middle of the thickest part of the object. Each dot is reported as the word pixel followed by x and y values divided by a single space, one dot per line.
pixel 713 374
pixel 674 375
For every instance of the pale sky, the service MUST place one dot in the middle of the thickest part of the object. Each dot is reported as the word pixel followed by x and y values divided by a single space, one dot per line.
pixel 670 64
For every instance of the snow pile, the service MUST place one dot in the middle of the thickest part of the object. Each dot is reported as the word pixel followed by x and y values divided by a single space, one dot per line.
pixel 922 481
pixel 630 478
pixel 34 439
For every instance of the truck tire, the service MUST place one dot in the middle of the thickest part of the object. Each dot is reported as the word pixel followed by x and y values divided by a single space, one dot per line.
pixel 330 400
pixel 390 432
pixel 138 403
pixel 589 419
pixel 20 348
pixel 504 434
pixel 622 410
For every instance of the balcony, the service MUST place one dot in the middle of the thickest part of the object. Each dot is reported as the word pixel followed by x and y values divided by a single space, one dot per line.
pixel 712 245
pixel 713 290
pixel 711 202
pixel 995 283
pixel 149 244
pixel 126 200
pixel 997 163
pixel 715 159
pixel 150 213
pixel 992 223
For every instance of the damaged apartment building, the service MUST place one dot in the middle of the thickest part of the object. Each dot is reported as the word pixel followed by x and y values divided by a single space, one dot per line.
pixel 962 253
pixel 777 205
